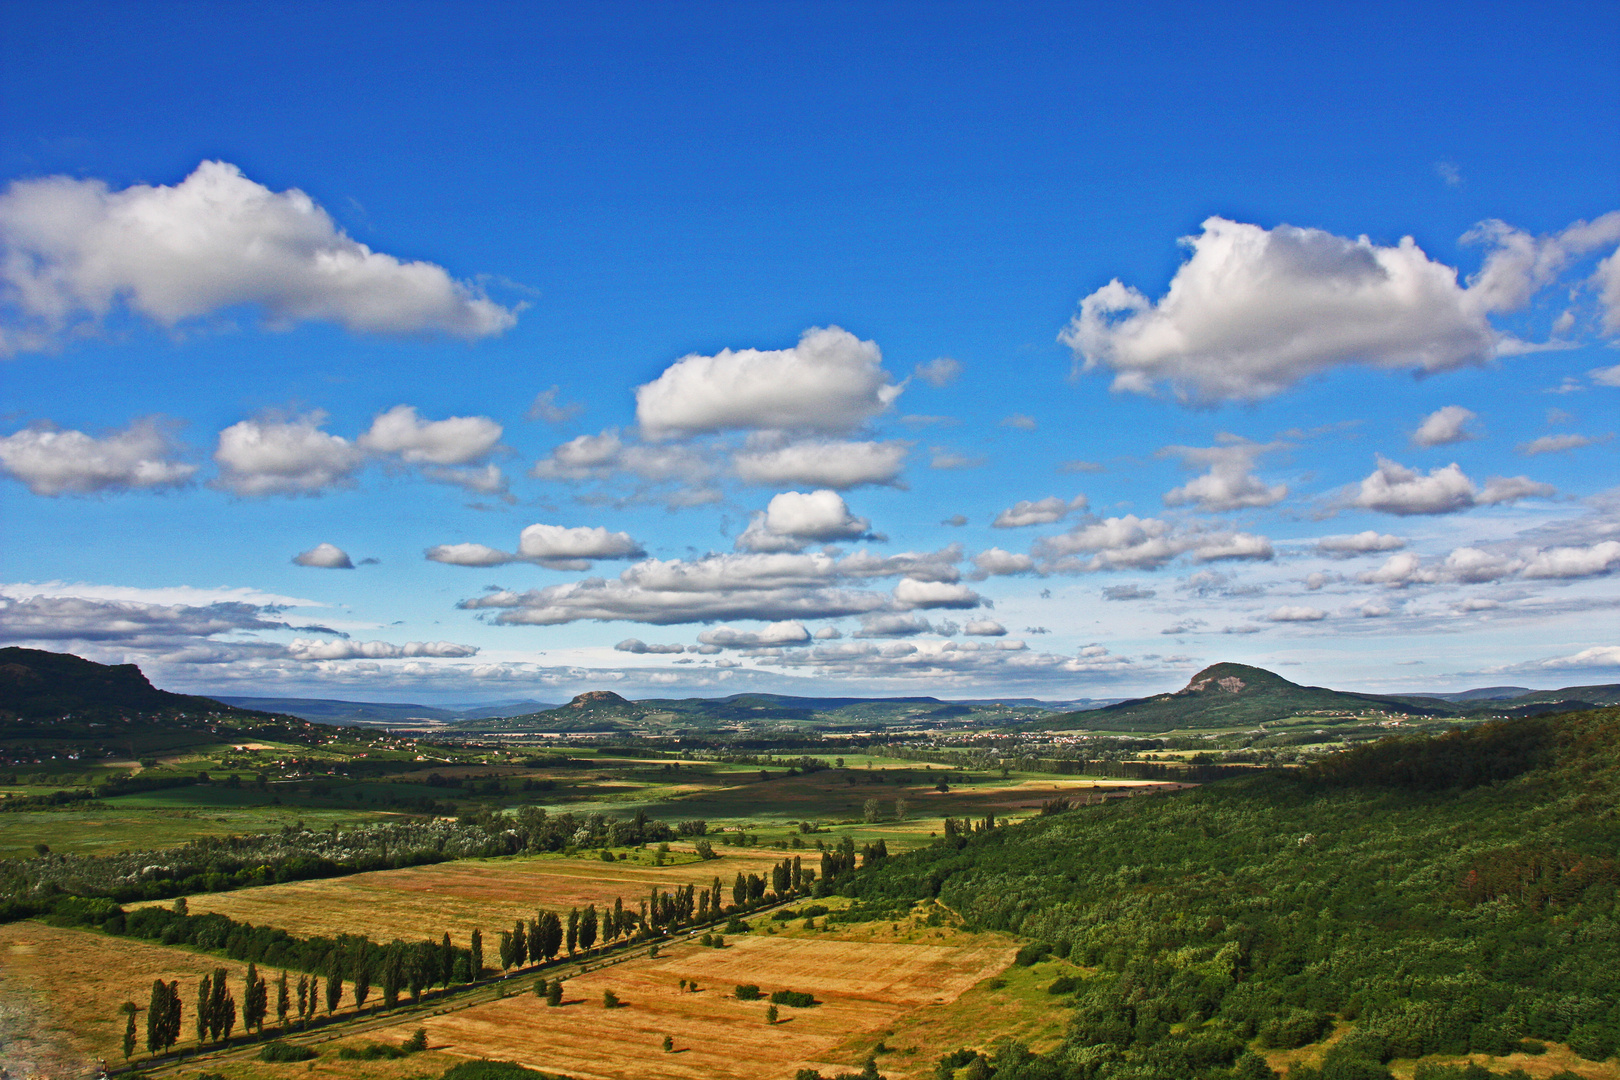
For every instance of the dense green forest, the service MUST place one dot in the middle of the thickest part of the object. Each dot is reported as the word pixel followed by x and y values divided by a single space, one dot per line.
pixel 1444 895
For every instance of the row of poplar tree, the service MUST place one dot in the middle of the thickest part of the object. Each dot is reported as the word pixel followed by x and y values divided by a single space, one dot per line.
pixel 403 967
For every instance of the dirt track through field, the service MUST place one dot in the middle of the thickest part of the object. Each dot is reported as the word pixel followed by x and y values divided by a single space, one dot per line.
pixel 861 988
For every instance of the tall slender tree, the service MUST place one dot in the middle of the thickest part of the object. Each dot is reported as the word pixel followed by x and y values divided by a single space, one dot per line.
pixel 171 1025
pixel 157 1014
pixel 129 1009
pixel 447 961
pixel 587 927
pixel 205 1000
pixel 573 929
pixel 520 942
pixel 476 959
pixel 283 1000
pixel 334 986
pixel 361 972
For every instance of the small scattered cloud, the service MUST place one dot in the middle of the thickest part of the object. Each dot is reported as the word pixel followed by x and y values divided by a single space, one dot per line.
pixel 955 521
pixel 1020 421
pixel 1045 511
pixel 1132 591
pixel 1553 444
pixel 945 458
pixel 1361 543
pixel 1448 173
pixel 325 557
pixel 1230 483
pixel 983 628
pixel 546 407
pixel 1444 426
pixel 640 648
pixel 1296 613
pixel 315 649
pixel 828 464
pixel 1076 465
pixel 940 372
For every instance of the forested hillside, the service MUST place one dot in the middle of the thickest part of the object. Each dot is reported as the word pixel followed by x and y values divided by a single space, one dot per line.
pixel 1445 895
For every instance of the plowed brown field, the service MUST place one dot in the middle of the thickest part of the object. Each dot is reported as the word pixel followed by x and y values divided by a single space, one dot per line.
pixel 862 988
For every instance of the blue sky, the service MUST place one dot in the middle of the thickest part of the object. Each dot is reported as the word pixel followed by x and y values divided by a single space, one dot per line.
pixel 905 348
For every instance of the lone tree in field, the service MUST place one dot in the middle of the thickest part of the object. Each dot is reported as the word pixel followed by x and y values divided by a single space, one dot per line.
pixel 770 1014
pixel 476 963
pixel 900 809
pixel 669 1044
pixel 610 1000
pixel 554 993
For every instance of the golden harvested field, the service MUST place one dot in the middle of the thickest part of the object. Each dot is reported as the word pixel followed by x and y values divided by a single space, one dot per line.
pixel 65 987
pixel 457 897
pixel 863 989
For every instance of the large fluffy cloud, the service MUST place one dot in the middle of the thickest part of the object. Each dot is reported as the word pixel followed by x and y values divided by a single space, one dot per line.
pixel 74 250
pixel 56 462
pixel 830 381
pixel 275 456
pixel 1395 489
pixel 1253 311
pixel 1230 483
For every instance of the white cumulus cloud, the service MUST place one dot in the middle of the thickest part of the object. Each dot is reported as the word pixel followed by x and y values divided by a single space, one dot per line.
pixel 795 518
pixel 776 634
pixel 74 250
pixel 274 456
pixel 983 628
pixel 55 462
pixel 639 647
pixel 830 381
pixel 1296 613
pixel 460 440
pixel 1395 489
pixel 1552 444
pixel 1253 311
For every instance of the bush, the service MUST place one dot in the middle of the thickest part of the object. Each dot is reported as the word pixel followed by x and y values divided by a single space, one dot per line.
pixel 610 1000
pixel 1294 1029
pixel 283 1051
pixel 484 1069
pixel 747 992
pixel 1032 954
pixel 735 925
pixel 793 999
pixel 1063 984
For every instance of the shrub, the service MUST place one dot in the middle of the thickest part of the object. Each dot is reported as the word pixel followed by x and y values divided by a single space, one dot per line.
pixel 484 1069
pixel 1063 984
pixel 747 992
pixel 283 1051
pixel 610 1000
pixel 1295 1028
pixel 793 999
pixel 735 925
pixel 1032 954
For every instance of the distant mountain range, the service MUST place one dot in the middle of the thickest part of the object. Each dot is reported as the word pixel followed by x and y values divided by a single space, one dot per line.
pixel 380 713
pixel 1237 695
pixel 40 687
